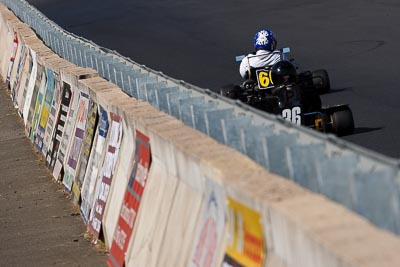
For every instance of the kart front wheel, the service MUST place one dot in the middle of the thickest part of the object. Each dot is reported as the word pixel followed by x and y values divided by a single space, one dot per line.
pixel 224 91
pixel 321 81
pixel 230 91
pixel 343 122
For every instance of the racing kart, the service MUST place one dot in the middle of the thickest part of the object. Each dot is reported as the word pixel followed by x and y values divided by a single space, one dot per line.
pixel 297 100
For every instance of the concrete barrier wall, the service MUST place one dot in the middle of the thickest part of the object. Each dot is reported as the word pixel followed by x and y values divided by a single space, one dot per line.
pixel 294 152
pixel 159 193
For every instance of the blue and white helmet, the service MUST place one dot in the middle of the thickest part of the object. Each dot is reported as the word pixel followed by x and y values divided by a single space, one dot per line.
pixel 265 40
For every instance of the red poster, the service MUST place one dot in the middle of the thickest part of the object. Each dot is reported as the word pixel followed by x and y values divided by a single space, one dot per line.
pixel 131 203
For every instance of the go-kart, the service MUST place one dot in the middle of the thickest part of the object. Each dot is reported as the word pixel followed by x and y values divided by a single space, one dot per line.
pixel 297 101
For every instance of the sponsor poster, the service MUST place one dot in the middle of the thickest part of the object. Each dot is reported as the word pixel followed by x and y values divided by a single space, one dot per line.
pixel 24 82
pixel 245 239
pixel 106 174
pixel 38 105
pixel 52 152
pixel 210 230
pixel 17 81
pixel 87 146
pixel 53 116
pixel 31 112
pixel 58 171
pixel 30 88
pixel 77 140
pixel 131 202
pixel 45 112
pixel 12 59
pixel 94 164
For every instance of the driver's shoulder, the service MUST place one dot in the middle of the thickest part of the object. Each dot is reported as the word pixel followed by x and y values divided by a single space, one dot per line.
pixel 250 55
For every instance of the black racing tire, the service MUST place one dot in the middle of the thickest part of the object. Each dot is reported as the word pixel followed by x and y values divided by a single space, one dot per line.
pixel 343 122
pixel 321 81
pixel 224 91
pixel 230 91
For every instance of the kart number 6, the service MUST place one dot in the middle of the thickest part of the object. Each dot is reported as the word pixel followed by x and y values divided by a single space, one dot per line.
pixel 293 115
pixel 263 79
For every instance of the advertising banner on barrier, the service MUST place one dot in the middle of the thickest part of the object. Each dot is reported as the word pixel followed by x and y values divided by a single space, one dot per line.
pixel 45 112
pixel 52 152
pixel 14 69
pixel 78 136
pixel 18 77
pixel 12 59
pixel 32 107
pixel 39 103
pixel 24 83
pixel 131 202
pixel 53 115
pixel 107 173
pixel 210 230
pixel 65 141
pixel 30 88
pixel 91 125
pixel 245 240
pixel 92 174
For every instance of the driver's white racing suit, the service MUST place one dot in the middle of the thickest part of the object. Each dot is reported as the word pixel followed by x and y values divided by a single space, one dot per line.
pixel 262 58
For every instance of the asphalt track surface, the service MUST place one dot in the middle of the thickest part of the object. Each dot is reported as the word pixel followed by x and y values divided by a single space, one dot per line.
pixel 356 41
pixel 39 226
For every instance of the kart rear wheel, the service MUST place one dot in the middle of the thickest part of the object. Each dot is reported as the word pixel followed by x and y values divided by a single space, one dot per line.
pixel 343 122
pixel 321 81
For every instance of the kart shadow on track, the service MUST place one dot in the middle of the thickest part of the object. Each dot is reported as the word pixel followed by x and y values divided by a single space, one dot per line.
pixel 296 97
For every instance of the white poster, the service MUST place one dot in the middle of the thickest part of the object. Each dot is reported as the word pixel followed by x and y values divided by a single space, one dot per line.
pixel 77 140
pixel 95 161
pixel 210 229
pixel 106 175
pixel 65 140
pixel 31 85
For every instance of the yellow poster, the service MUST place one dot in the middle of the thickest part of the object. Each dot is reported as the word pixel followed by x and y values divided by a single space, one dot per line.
pixel 245 240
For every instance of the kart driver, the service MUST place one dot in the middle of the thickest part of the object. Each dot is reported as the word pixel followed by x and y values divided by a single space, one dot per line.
pixel 266 53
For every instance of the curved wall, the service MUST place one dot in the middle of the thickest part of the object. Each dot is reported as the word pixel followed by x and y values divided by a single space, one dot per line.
pixel 158 192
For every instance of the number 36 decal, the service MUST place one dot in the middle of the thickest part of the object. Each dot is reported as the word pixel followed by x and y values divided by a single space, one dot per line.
pixel 293 115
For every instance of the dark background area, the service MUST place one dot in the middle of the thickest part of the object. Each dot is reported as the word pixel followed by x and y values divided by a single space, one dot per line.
pixel 196 41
